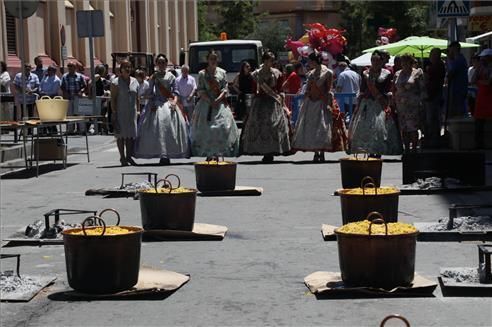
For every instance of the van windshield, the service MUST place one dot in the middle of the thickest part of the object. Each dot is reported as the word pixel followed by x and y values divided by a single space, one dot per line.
pixel 230 56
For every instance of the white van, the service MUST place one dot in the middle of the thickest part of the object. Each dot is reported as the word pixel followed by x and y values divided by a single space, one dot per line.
pixel 231 54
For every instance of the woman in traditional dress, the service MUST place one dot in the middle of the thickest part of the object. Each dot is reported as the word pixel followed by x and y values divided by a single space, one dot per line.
pixel 266 131
pixel 313 130
pixel 213 130
pixel 162 129
pixel 373 128
pixel 409 94
pixel 483 107
pixel 124 100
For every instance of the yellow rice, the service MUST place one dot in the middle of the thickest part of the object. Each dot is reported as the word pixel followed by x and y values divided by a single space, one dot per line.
pixel 166 190
pixel 362 158
pixel 214 162
pixel 362 228
pixel 97 231
pixel 370 190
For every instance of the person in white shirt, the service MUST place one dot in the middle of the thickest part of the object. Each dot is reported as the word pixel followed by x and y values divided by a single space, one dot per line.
pixel 186 87
pixel 348 82
pixel 472 95
pixel 5 108
pixel 143 89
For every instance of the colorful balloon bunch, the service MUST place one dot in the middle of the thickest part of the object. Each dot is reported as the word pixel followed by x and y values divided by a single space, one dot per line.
pixel 386 35
pixel 330 42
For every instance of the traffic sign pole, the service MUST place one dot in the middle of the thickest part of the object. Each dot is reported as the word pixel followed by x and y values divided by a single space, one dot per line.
pixel 452 29
pixel 93 75
pixel 23 61
pixel 62 40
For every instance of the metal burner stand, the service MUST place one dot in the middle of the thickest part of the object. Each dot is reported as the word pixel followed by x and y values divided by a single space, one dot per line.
pixel 47 238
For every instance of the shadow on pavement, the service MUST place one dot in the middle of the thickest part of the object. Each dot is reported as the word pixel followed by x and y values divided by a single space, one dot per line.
pixel 149 165
pixel 73 296
pixel 369 296
pixel 30 173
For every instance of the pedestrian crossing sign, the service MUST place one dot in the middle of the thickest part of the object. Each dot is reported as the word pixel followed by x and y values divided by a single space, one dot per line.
pixel 453 8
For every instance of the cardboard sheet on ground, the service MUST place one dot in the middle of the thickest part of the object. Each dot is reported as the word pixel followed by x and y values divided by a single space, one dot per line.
pixel 122 193
pixel 330 284
pixel 328 232
pixel 111 193
pixel 26 293
pixel 200 232
pixel 238 191
pixel 151 281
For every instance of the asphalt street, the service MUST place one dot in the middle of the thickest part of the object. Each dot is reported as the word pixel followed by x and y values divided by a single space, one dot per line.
pixel 254 277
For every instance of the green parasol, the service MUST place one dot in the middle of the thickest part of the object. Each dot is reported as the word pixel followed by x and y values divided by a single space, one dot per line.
pixel 418 46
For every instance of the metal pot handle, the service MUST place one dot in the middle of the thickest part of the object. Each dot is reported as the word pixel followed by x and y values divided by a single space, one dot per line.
pixel 395 316
pixel 112 210
pixel 95 218
pixel 364 152
pixel 377 220
pixel 177 177
pixel 167 184
pixel 371 183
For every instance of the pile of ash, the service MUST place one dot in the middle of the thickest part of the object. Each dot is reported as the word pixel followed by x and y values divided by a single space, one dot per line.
pixel 461 275
pixel 11 283
pixel 135 187
pixel 434 183
pixel 462 224
pixel 37 230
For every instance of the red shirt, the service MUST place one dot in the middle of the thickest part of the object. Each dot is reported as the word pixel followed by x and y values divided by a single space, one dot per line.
pixel 293 83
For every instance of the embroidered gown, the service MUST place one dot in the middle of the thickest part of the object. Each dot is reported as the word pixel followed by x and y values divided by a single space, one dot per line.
pixel 266 131
pixel 371 129
pixel 313 131
pixel 162 133
pixel 213 130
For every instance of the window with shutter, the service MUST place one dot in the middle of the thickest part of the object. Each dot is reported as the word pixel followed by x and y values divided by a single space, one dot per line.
pixel 11 34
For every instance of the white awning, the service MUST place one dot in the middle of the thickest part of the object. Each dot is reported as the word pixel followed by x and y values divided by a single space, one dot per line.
pixel 478 38
pixel 68 4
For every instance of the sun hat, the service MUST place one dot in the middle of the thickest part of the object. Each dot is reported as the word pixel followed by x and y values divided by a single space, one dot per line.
pixel 486 52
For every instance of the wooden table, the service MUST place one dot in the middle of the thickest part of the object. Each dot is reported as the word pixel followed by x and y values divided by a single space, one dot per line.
pixel 36 125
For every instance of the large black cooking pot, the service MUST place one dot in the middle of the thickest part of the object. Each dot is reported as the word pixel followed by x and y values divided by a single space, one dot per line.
pixel 102 264
pixel 385 261
pixel 355 169
pixel 168 210
pixel 220 176
pixel 356 207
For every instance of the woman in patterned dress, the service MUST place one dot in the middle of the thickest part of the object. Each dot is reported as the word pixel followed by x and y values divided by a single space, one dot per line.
pixel 409 94
pixel 124 91
pixel 213 129
pixel 266 131
pixel 313 130
pixel 373 128
pixel 162 129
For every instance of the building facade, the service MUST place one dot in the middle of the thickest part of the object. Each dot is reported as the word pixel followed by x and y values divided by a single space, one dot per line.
pixel 153 26
pixel 295 14
pixel 480 22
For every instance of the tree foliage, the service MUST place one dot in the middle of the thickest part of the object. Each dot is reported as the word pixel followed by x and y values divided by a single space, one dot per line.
pixel 271 34
pixel 362 19
pixel 236 18
pixel 207 31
